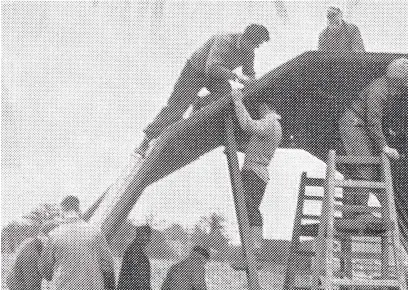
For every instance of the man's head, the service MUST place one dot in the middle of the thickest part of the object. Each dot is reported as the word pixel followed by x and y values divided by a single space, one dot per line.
pixel 202 252
pixel 143 235
pixel 397 72
pixel 253 36
pixel 334 17
pixel 70 203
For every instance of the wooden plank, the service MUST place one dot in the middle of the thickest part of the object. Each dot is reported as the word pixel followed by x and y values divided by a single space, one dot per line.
pixel 240 206
pixel 358 160
pixel 361 282
pixel 359 184
pixel 318 182
pixel 390 206
pixel 357 208
pixel 329 193
pixel 358 255
pixel 289 274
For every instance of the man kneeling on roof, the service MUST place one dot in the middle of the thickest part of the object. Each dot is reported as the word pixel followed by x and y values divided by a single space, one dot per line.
pixel 265 137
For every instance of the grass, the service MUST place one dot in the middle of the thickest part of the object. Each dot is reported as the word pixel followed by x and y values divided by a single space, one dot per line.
pixel 219 275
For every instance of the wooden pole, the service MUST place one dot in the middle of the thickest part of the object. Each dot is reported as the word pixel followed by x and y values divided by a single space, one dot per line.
pixel 240 206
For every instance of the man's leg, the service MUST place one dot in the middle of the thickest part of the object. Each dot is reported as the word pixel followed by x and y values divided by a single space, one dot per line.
pixel 183 95
pixel 356 142
pixel 254 190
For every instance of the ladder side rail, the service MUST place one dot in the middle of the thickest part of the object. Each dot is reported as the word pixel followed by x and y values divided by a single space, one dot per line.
pixel 294 245
pixel 239 200
pixel 330 191
pixel 386 172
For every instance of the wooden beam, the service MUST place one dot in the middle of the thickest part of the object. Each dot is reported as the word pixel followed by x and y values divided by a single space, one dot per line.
pixel 240 206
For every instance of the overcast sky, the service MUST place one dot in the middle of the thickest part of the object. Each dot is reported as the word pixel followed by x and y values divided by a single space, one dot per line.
pixel 80 80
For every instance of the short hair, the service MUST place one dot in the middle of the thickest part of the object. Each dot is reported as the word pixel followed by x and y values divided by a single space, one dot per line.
pixel 256 33
pixel 333 10
pixel 70 203
pixel 202 251
pixel 143 229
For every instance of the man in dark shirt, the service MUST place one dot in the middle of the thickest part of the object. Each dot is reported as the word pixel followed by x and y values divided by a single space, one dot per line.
pixel 340 35
pixel 24 273
pixel 361 124
pixel 135 271
pixel 211 66
pixel 188 274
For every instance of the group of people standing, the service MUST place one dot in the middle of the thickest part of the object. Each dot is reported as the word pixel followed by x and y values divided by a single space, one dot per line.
pixel 81 251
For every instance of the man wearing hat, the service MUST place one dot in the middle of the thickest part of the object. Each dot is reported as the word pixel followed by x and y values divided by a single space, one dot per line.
pixel 340 35
pixel 188 274
pixel 361 124
pixel 24 273
pixel 78 252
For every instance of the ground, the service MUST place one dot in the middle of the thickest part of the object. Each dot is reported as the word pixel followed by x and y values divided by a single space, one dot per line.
pixel 219 275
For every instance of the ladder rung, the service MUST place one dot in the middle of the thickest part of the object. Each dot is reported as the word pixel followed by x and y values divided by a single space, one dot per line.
pixel 361 282
pixel 319 198
pixel 309 230
pixel 361 225
pixel 358 160
pixel 358 255
pixel 309 181
pixel 356 208
pixel 359 184
pixel 311 216
pixel 307 253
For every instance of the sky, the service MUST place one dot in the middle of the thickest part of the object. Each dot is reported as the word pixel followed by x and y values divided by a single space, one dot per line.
pixel 80 81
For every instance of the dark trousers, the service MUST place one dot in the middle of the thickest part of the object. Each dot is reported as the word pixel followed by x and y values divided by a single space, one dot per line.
pixel 356 141
pixel 254 190
pixel 184 94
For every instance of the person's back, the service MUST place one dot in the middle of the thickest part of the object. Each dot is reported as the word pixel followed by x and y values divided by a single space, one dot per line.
pixel 77 251
pixel 24 274
pixel 75 254
pixel 188 274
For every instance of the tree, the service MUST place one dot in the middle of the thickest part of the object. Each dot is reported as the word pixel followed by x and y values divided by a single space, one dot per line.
pixel 45 213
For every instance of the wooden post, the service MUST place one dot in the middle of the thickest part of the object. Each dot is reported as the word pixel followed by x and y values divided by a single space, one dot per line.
pixel 294 245
pixel 240 206
pixel 392 214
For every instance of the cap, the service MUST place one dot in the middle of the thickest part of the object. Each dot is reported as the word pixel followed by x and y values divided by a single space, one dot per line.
pixel 332 10
pixel 398 69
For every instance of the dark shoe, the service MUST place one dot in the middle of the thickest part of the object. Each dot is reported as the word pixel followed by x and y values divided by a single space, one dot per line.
pixel 141 150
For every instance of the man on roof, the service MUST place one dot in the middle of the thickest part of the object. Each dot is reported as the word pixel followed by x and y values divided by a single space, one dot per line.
pixel 211 66
pixel 340 35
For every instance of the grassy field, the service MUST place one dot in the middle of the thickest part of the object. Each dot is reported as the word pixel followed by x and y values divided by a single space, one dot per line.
pixel 219 275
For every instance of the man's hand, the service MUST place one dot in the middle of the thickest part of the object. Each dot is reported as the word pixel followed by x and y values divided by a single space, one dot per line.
pixel 391 152
pixel 245 80
pixel 236 95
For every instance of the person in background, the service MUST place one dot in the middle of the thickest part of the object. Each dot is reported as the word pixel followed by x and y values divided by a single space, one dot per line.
pixel 188 274
pixel 265 137
pixel 78 252
pixel 211 66
pixel 361 128
pixel 340 35
pixel 24 273
pixel 135 271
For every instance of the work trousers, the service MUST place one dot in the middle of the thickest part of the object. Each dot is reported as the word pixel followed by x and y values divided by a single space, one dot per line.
pixel 184 94
pixel 356 141
pixel 254 190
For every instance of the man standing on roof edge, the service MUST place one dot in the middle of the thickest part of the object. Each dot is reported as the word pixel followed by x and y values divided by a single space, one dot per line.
pixel 210 66
pixel 340 35
pixel 361 124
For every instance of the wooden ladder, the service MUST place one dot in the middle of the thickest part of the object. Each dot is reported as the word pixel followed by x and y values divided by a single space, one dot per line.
pixel 239 200
pixel 305 225
pixel 346 230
